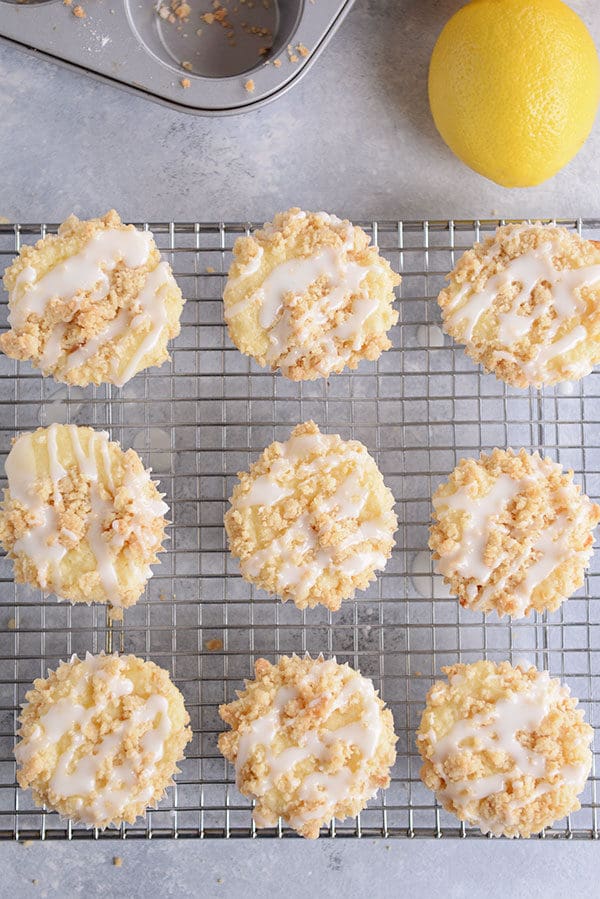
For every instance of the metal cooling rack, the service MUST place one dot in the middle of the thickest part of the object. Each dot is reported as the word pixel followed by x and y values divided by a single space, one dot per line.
pixel 206 415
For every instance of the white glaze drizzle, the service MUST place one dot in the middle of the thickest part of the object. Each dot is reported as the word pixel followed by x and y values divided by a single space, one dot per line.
pixel 263 492
pixel 79 273
pixel 320 788
pixel 80 778
pixel 152 311
pixel 529 270
pixel 495 730
pixel 467 558
pixel 40 543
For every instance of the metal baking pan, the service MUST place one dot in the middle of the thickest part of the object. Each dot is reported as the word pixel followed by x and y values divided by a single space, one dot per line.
pixel 127 43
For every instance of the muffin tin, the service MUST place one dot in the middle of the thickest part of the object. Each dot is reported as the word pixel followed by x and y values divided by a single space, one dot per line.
pixel 127 43
pixel 205 416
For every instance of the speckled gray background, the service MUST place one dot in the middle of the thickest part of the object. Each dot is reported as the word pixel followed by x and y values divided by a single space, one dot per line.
pixel 356 137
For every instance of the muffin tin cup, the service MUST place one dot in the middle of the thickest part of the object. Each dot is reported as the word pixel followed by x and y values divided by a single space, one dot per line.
pixel 126 43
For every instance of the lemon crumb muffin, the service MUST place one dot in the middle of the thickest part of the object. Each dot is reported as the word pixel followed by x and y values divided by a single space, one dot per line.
pixel 312 520
pixel 307 294
pixel 310 740
pixel 526 303
pixel 101 738
pixel 81 518
pixel 503 748
pixel 91 304
pixel 512 533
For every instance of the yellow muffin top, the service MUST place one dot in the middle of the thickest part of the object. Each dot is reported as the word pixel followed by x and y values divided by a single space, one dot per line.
pixel 308 295
pixel 101 738
pixel 512 533
pixel 504 748
pixel 526 303
pixel 312 520
pixel 310 740
pixel 91 304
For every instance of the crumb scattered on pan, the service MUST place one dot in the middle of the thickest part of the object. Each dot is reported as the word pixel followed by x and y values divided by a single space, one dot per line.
pixel 11 625
pixel 186 65
pixel 302 50
pixel 213 645
pixel 117 861
pixel 220 13
pixel 185 83
pixel 249 85
pixel 210 270
pixel 291 54
pixel 79 12
pixel 181 10
pixel 277 63
pixel 27 843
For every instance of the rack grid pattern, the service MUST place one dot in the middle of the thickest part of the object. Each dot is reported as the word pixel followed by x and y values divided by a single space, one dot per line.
pixel 206 415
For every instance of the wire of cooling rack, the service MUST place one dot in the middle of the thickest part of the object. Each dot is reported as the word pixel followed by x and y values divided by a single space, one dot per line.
pixel 206 415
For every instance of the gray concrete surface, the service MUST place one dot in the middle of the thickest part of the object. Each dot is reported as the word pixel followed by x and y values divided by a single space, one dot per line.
pixel 354 136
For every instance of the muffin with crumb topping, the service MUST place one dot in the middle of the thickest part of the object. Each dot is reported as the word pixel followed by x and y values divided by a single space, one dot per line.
pixel 310 740
pixel 307 294
pixel 92 304
pixel 526 304
pixel 504 749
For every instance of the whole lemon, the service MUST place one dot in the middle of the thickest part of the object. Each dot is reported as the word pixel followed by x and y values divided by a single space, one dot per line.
pixel 514 86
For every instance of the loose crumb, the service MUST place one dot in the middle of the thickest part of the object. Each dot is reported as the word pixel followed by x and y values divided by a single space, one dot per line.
pixel 183 11
pixel 117 861
pixel 213 645
pixel 210 270
pixel 187 66
pixel 185 83
pixel 249 85
pixel 11 625
pixel 302 50
pixel 79 12
pixel 277 63
pixel 27 843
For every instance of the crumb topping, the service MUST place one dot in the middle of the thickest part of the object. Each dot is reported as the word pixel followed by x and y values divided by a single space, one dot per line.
pixel 310 740
pixel 505 749
pixel 307 294
pixel 101 738
pixel 91 304
pixel 526 303
pixel 512 533
pixel 312 520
